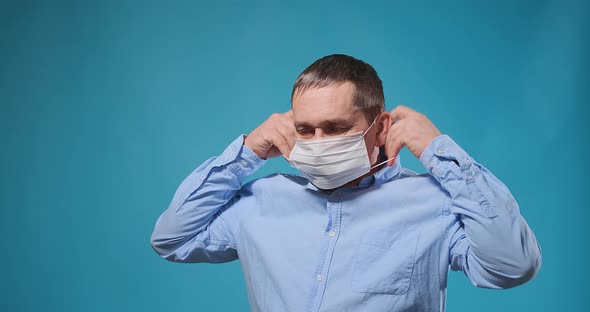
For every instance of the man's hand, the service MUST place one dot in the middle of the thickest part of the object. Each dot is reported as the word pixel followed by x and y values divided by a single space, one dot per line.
pixel 273 137
pixel 410 129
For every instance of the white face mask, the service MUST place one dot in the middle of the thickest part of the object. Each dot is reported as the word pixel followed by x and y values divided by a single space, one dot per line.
pixel 333 161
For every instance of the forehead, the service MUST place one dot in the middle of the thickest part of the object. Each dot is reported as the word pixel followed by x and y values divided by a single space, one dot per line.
pixel 333 102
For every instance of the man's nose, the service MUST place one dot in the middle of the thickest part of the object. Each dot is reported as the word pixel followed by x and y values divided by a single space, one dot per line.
pixel 318 133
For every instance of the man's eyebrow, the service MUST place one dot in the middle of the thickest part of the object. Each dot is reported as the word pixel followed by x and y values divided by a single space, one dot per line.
pixel 326 123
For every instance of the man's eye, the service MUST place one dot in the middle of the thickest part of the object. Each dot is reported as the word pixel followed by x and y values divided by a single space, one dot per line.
pixel 304 131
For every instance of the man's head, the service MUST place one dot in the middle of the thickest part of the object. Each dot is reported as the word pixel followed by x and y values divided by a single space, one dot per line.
pixel 333 70
pixel 338 95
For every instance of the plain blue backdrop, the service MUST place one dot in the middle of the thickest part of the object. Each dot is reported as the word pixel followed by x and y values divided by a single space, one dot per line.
pixel 107 105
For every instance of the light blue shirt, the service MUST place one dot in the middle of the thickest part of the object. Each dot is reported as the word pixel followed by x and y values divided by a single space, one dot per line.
pixel 385 245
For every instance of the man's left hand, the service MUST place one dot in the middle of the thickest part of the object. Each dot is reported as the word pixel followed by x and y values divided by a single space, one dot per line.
pixel 411 129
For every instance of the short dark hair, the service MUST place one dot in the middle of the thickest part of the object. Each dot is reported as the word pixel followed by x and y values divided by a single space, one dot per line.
pixel 339 68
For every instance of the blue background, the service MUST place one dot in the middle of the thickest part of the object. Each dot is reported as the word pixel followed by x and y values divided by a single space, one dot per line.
pixel 106 107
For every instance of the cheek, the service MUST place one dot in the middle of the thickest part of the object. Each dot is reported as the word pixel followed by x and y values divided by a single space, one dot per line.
pixel 372 151
pixel 373 141
pixel 369 145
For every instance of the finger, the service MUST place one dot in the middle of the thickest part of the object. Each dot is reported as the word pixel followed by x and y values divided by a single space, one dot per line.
pixel 282 132
pixel 289 114
pixel 287 130
pixel 288 134
pixel 394 142
pixel 280 143
pixel 396 129
pixel 392 150
pixel 393 145
pixel 401 112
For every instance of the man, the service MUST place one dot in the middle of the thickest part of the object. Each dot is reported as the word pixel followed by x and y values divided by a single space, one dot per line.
pixel 352 234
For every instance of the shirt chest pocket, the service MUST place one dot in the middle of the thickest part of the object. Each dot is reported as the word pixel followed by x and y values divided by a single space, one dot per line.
pixel 384 261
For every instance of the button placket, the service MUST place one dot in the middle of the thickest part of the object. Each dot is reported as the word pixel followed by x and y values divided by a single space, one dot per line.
pixel 334 207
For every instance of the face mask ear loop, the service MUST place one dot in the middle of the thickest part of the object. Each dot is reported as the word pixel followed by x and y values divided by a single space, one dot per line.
pixel 377 165
pixel 370 126
pixel 381 163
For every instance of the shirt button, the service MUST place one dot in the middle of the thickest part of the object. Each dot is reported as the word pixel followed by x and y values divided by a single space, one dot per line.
pixel 331 233
pixel 244 163
pixel 319 277
pixel 440 151
pixel 431 163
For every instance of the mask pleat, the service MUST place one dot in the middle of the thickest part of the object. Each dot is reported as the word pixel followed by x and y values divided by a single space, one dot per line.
pixel 331 162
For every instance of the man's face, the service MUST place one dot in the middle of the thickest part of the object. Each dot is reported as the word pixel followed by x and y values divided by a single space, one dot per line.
pixel 329 111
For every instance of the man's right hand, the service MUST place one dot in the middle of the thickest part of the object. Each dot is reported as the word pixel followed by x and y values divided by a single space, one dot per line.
pixel 274 137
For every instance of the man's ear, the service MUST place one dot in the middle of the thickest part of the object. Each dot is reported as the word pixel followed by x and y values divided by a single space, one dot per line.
pixel 383 123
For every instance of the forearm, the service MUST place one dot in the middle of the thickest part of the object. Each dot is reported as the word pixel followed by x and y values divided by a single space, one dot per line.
pixel 201 196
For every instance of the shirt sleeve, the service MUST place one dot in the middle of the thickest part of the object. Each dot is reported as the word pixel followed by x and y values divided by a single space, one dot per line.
pixel 192 229
pixel 493 245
